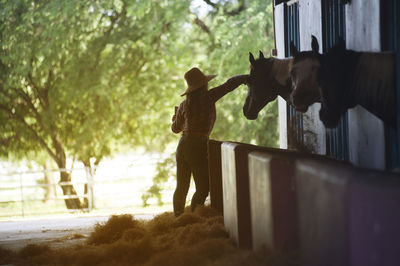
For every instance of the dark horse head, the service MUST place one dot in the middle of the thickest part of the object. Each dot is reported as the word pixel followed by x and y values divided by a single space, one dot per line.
pixel 261 84
pixel 304 75
pixel 334 76
pixel 317 77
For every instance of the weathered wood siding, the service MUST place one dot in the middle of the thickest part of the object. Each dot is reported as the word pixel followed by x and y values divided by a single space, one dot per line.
pixel 366 131
pixel 311 24
pixel 280 46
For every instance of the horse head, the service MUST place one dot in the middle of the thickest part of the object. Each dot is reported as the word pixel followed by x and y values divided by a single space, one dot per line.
pixel 261 86
pixel 332 85
pixel 319 78
pixel 304 75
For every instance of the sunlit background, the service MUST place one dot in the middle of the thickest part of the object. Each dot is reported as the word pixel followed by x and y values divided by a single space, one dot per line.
pixel 88 88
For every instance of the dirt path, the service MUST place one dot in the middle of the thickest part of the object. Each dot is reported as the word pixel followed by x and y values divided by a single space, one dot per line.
pixel 57 232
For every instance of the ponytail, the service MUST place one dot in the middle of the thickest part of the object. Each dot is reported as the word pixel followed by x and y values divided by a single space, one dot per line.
pixel 193 103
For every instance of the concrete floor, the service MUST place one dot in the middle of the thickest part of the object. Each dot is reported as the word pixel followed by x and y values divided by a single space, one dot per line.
pixel 56 232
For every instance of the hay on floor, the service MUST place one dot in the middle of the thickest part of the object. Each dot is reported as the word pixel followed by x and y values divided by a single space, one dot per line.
pixel 197 238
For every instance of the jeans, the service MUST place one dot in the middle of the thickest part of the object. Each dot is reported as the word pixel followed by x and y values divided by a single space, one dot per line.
pixel 191 157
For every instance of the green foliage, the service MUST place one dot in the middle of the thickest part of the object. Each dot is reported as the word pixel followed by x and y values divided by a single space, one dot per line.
pixel 82 77
pixel 85 78
pixel 249 31
pixel 224 51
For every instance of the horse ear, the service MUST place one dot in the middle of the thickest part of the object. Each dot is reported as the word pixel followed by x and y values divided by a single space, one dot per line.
pixel 314 44
pixel 261 55
pixel 251 58
pixel 293 49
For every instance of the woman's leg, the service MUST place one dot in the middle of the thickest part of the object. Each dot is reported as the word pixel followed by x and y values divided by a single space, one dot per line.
pixel 183 174
pixel 201 177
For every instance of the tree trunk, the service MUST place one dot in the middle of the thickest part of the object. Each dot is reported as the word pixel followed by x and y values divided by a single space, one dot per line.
pixel 61 160
pixel 50 189
pixel 68 190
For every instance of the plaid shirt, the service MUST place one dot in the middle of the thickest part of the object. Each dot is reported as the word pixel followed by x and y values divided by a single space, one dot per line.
pixel 203 123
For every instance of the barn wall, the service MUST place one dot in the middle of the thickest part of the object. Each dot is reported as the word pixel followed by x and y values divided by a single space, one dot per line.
pixel 280 46
pixel 366 132
pixel 311 24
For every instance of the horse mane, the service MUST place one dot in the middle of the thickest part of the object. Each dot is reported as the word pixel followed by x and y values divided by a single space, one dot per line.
pixel 336 76
pixel 362 78
pixel 373 84
pixel 279 69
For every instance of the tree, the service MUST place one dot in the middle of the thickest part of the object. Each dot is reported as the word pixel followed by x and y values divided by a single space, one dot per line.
pixel 81 79
pixel 73 76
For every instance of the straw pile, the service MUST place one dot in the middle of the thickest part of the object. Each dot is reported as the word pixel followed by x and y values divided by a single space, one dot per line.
pixel 197 238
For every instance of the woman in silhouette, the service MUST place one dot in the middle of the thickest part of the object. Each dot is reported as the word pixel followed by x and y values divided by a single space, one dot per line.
pixel 195 118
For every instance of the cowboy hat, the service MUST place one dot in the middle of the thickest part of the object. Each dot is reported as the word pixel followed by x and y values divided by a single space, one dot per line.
pixel 195 79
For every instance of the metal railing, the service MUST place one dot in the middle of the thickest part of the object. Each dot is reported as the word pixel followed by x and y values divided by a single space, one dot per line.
pixel 21 187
